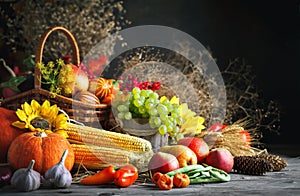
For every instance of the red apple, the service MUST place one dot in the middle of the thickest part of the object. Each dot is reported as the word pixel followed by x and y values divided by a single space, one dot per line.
pixel 197 145
pixel 163 163
pixel 184 154
pixel 216 127
pixel 220 158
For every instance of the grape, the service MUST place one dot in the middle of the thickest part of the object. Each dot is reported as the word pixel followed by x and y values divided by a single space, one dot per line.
pixel 175 110
pixel 169 106
pixel 145 93
pixel 128 116
pixel 154 95
pixel 137 103
pixel 170 128
pixel 162 129
pixel 136 90
pixel 136 96
pixel 121 115
pixel 174 115
pixel 142 109
pixel 127 103
pixel 152 111
pixel 163 117
pixel 162 109
pixel 150 100
pixel 179 120
pixel 157 121
pixel 149 105
pixel 122 108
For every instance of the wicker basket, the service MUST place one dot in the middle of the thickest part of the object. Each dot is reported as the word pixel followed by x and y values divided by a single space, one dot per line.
pixel 140 127
pixel 89 114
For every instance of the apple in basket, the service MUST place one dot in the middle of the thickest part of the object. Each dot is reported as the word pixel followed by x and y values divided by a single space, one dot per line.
pixel 72 79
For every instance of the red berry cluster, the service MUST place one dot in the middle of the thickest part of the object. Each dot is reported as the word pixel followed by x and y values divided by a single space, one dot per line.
pixel 149 86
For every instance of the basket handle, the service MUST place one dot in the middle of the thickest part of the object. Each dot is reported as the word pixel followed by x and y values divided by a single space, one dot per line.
pixel 40 48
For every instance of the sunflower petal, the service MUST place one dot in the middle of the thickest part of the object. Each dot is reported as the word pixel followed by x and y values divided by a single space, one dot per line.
pixel 62 133
pixel 21 114
pixel 27 109
pixel 35 107
pixel 19 124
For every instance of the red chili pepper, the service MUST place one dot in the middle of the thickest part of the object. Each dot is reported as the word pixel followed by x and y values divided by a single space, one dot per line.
pixel 126 176
pixel 104 176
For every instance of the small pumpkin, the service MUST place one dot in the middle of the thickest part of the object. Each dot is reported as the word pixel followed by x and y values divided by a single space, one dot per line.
pixel 45 149
pixel 26 179
pixel 103 88
pixel 7 131
pixel 86 97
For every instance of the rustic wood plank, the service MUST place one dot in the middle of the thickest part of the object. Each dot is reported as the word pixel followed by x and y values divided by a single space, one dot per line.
pixel 285 182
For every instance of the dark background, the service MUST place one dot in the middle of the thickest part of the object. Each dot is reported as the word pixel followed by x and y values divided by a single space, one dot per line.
pixel 263 33
pixel 266 34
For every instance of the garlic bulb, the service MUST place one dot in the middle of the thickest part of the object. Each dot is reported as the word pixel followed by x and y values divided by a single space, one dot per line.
pixel 58 175
pixel 26 179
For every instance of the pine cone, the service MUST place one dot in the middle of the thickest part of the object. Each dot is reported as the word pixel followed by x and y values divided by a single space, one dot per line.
pixel 251 165
pixel 277 162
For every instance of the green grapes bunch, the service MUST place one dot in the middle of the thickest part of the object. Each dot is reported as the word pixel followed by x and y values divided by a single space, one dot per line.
pixel 163 115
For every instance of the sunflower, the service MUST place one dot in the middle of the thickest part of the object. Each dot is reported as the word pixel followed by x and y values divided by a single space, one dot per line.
pixel 41 118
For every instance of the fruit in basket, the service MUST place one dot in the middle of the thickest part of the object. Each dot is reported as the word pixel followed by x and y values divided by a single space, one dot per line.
pixel 72 79
pixel 220 158
pixel 86 97
pixel 163 162
pixel 184 154
pixel 197 145
pixel 26 179
pixel 45 149
pixel 7 131
pixel 103 88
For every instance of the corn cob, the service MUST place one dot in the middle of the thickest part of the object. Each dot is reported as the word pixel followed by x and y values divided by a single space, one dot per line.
pixel 95 157
pixel 108 139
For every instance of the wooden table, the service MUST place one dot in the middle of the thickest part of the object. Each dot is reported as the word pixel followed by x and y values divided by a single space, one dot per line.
pixel 285 182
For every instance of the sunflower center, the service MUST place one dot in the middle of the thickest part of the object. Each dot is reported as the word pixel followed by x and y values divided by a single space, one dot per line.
pixel 41 123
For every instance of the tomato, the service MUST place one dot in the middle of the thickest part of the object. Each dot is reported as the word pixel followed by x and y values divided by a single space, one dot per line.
pixel 246 136
pixel 216 127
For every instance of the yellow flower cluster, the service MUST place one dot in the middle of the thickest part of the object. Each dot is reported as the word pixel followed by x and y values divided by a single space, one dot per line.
pixel 50 74
pixel 192 124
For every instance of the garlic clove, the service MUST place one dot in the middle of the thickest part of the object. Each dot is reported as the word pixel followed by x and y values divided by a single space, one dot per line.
pixel 26 179
pixel 58 175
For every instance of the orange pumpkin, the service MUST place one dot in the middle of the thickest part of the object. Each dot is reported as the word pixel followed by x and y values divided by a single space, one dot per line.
pixel 45 149
pixel 7 131
pixel 103 88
